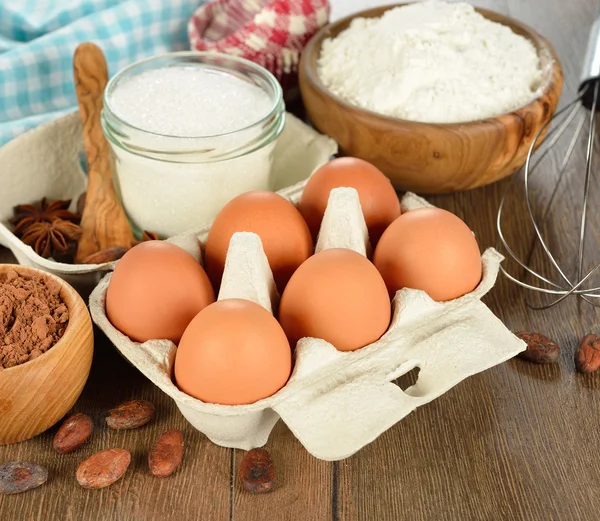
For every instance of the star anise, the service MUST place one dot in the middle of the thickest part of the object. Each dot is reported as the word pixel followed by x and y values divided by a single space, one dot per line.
pixel 49 239
pixel 44 211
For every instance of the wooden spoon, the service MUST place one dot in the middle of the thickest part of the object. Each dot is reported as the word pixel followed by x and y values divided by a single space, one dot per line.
pixel 103 221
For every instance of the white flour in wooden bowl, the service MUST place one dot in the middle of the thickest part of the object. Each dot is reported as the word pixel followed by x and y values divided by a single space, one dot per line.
pixel 432 62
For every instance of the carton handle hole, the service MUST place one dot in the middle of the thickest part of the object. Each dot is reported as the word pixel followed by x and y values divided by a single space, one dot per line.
pixel 408 379
pixel 405 375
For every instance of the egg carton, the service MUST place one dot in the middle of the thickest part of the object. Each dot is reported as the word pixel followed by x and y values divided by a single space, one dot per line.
pixel 47 162
pixel 335 402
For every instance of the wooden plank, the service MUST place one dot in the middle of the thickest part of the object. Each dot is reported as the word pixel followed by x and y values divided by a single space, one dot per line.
pixel 200 489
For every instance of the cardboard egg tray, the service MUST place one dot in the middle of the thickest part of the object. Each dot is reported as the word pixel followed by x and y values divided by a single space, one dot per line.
pixel 335 402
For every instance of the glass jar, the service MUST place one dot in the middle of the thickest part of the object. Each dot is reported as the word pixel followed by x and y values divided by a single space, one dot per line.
pixel 172 184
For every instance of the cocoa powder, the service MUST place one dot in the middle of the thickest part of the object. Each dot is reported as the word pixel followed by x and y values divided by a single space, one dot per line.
pixel 33 317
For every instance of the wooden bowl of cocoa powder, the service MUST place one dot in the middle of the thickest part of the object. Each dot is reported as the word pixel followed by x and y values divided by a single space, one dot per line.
pixel 46 348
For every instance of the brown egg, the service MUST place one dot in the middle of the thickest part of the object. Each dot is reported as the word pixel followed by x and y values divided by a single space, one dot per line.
pixel 378 199
pixel 155 291
pixel 339 296
pixel 234 352
pixel 432 250
pixel 285 237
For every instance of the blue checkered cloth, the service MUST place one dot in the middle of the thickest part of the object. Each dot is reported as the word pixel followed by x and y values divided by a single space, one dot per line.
pixel 38 39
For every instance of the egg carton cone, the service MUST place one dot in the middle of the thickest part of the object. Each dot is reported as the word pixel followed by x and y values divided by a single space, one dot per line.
pixel 48 162
pixel 343 224
pixel 336 402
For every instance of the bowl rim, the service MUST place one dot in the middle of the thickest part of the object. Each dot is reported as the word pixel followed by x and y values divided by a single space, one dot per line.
pixel 550 74
pixel 67 293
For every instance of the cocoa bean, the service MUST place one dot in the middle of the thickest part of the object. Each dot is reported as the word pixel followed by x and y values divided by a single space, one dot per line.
pixel 73 433
pixel 103 468
pixel 257 472
pixel 130 415
pixel 587 359
pixel 540 349
pixel 20 476
pixel 166 454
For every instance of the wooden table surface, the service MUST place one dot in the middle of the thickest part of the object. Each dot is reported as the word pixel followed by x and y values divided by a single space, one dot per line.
pixel 517 442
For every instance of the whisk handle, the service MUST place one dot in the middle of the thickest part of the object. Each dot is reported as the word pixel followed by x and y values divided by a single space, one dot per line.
pixel 591 64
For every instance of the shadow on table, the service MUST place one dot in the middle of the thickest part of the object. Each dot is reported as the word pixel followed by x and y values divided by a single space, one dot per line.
pixel 543 372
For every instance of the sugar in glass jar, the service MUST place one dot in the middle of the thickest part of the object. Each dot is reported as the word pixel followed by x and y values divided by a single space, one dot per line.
pixel 190 131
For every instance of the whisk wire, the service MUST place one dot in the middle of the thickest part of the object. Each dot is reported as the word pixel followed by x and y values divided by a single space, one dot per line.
pixel 563 166
pixel 553 136
pixel 588 171
pixel 536 228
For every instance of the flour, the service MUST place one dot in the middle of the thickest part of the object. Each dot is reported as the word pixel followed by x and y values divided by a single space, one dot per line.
pixel 431 62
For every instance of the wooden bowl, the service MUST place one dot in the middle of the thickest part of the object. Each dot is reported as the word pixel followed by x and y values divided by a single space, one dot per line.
pixel 38 393
pixel 424 157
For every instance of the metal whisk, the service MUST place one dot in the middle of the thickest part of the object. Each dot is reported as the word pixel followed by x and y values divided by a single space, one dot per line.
pixel 581 115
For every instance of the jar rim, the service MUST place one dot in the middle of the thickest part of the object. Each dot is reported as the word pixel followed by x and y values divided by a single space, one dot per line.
pixel 258 69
